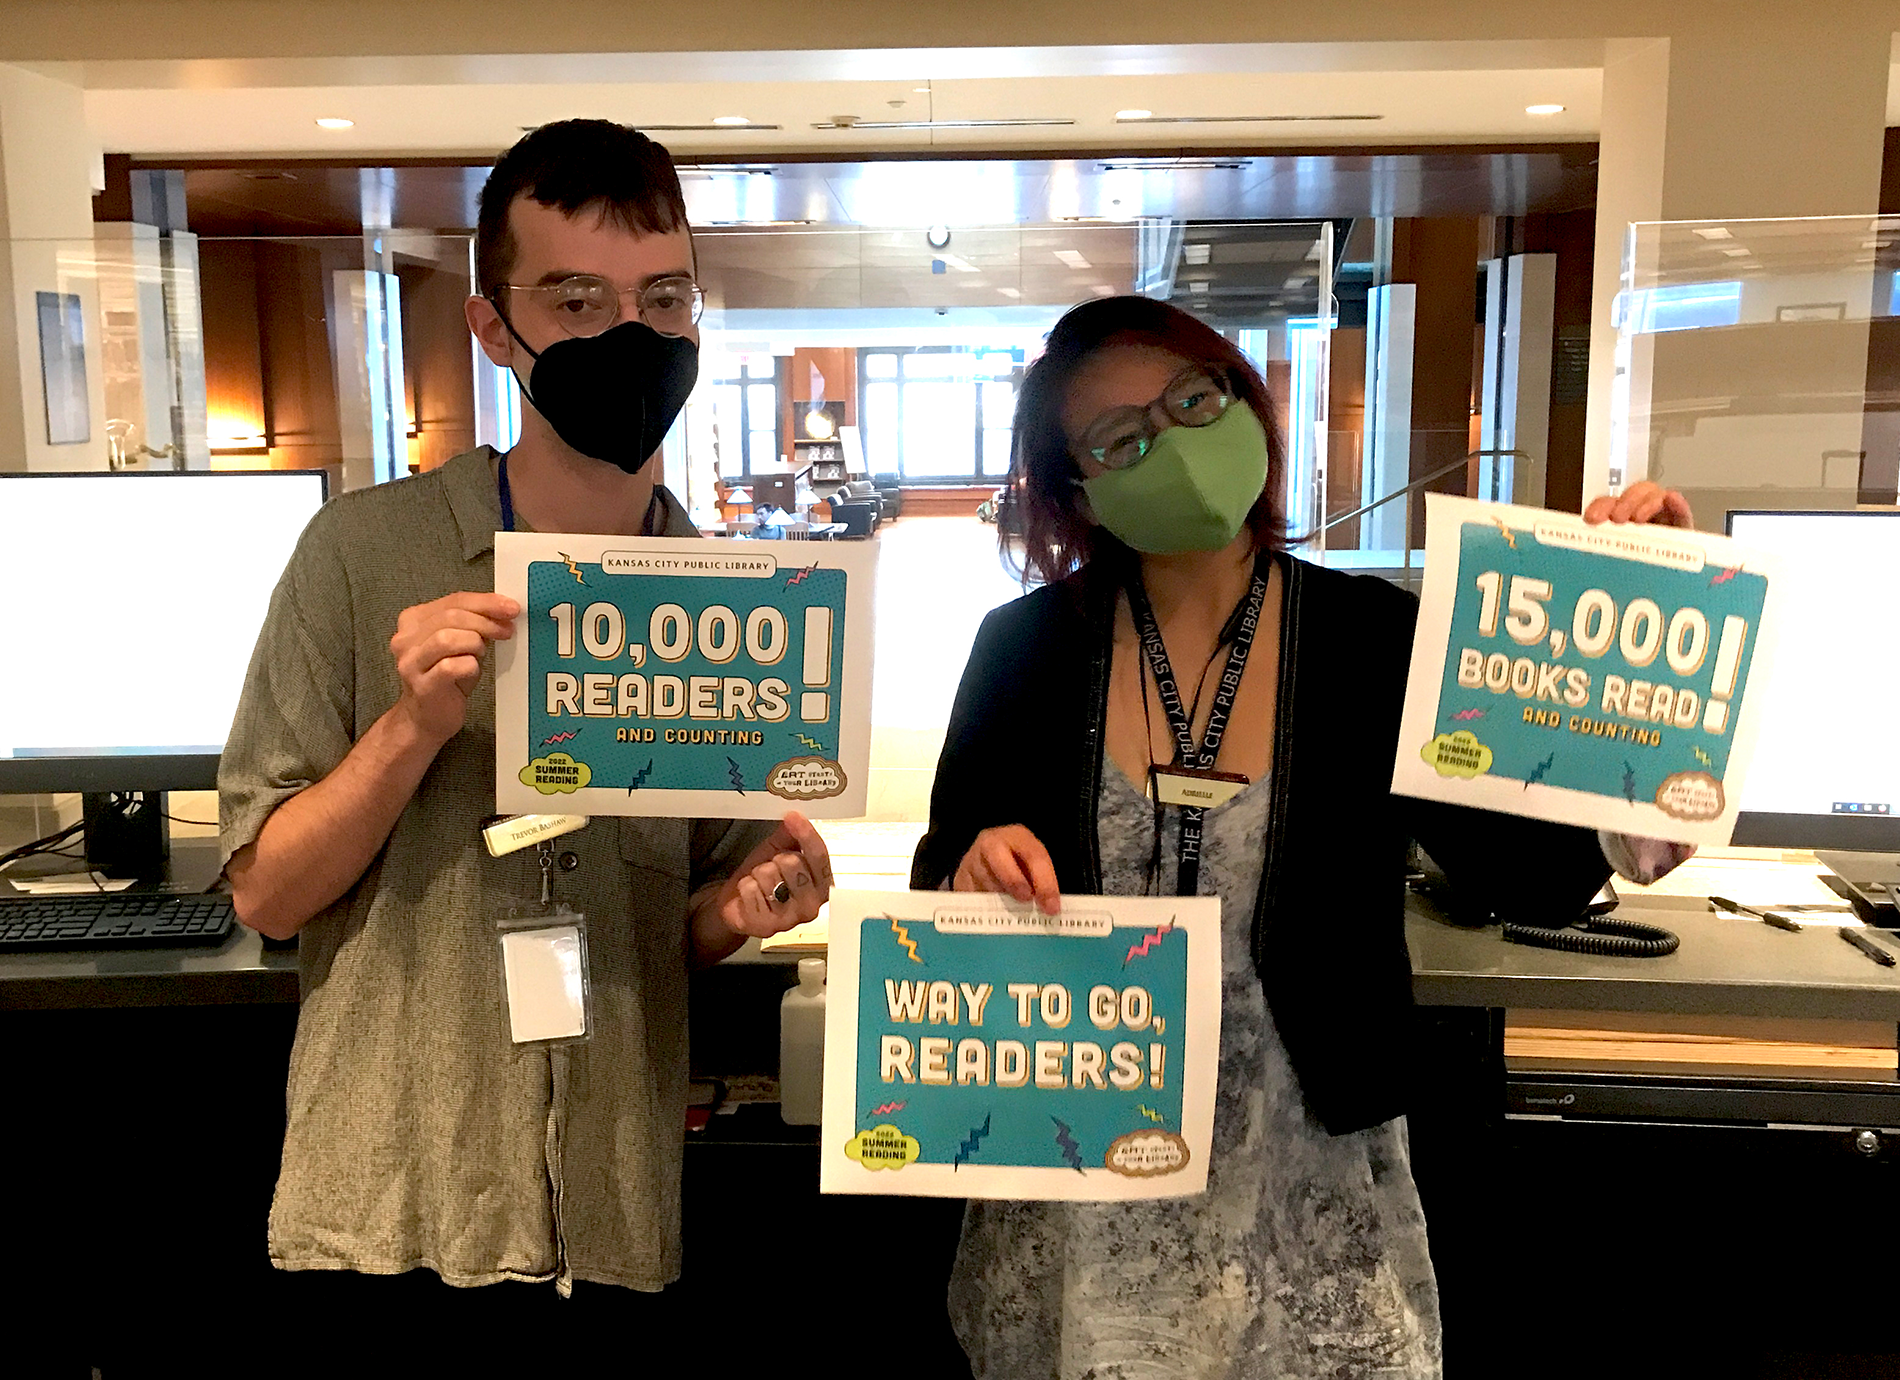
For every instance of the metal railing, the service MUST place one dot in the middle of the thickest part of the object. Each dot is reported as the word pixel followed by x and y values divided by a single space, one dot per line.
pixel 1406 492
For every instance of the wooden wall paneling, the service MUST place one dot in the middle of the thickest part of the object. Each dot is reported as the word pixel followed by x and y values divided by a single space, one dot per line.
pixel 234 360
pixel 1440 256
pixel 438 363
pixel 299 373
pixel 1346 430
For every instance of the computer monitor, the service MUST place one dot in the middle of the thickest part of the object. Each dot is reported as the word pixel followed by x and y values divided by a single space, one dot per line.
pixel 1826 769
pixel 135 600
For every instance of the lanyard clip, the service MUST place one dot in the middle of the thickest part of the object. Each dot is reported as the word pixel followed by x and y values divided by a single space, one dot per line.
pixel 544 855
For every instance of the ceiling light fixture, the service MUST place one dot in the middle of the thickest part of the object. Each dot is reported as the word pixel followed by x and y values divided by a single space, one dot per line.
pixel 937 236
pixel 1073 258
pixel 852 122
pixel 1174 165
pixel 334 122
pixel 731 120
pixel 1196 253
pixel 1712 232
pixel 1134 115
pixel 1543 110
pixel 1149 118
pixel 724 122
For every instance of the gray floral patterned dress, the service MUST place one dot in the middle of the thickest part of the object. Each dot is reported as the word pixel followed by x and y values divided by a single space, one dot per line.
pixel 1306 1256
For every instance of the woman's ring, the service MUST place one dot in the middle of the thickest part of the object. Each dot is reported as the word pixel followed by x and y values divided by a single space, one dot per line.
pixel 781 894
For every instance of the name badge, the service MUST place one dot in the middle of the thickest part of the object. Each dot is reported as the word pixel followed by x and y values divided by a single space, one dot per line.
pixel 519 831
pixel 1201 789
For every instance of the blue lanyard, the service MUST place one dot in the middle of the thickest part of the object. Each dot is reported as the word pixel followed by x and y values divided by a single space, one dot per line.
pixel 507 499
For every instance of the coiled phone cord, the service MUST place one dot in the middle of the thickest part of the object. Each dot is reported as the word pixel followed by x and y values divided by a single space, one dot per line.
pixel 1598 934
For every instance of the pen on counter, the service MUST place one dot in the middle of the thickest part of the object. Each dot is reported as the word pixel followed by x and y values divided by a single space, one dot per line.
pixel 1866 946
pixel 1767 917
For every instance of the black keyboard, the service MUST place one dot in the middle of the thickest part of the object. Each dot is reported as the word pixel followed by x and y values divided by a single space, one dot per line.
pixel 114 920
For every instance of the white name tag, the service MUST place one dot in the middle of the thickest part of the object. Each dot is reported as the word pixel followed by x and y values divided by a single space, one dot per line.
pixel 1205 789
pixel 543 972
pixel 523 830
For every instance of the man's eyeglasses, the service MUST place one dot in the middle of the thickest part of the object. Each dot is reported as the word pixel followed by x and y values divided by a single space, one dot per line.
pixel 585 305
pixel 1121 437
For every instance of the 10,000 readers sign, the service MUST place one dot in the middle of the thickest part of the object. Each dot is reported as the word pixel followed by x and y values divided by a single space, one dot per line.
pixel 977 1048
pixel 668 676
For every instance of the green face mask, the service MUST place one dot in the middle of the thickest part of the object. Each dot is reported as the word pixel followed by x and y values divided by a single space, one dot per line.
pixel 1191 492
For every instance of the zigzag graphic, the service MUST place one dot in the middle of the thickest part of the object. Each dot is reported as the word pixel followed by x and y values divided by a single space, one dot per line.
pixel 799 578
pixel 640 777
pixel 1508 534
pixel 1150 1113
pixel 811 743
pixel 1724 576
pixel 1702 756
pixel 1070 1150
pixel 1538 772
pixel 968 1147
pixel 572 569
pixel 560 737
pixel 1629 783
pixel 738 777
pixel 1148 941
pixel 903 937
pixel 1464 714
pixel 888 1108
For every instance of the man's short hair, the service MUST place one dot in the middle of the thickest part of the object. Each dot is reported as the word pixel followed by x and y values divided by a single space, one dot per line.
pixel 576 165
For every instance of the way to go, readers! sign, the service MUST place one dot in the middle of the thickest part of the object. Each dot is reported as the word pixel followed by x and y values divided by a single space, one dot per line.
pixel 977 1048
pixel 1591 674
pixel 670 676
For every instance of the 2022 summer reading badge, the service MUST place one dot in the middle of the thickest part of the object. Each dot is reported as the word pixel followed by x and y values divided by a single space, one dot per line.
pixel 977 1048
pixel 1587 674
pixel 668 676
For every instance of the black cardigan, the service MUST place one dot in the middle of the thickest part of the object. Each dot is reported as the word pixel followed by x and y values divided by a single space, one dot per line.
pixel 1024 746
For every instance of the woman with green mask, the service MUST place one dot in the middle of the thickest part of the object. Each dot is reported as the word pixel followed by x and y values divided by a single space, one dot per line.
pixel 1173 643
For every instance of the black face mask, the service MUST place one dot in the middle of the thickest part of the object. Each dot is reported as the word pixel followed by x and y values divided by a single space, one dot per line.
pixel 615 395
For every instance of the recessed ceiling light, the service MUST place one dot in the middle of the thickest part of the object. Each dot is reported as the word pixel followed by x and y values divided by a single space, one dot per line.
pixel 1073 258
pixel 1736 253
pixel 1712 232
pixel 1134 114
pixel 1195 253
pixel 731 120
pixel 921 90
pixel 1543 110
pixel 335 122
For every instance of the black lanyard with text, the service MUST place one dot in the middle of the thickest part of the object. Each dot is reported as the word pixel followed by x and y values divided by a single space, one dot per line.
pixel 507 498
pixel 1188 876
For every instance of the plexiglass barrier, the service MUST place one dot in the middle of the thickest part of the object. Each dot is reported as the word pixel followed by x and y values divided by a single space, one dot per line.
pixel 892 354
pixel 1758 364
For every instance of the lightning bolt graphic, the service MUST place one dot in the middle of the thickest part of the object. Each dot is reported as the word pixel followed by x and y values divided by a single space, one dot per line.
pixel 1722 577
pixel 1464 714
pixel 572 569
pixel 1539 771
pixel 738 777
pixel 889 1107
pixel 1070 1150
pixel 1148 941
pixel 811 743
pixel 903 937
pixel 1150 1113
pixel 1702 756
pixel 799 576
pixel 560 737
pixel 1509 536
pixel 640 777
pixel 968 1147
pixel 1629 783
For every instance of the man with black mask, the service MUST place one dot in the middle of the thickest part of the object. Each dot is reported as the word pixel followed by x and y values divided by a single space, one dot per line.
pixel 421 1142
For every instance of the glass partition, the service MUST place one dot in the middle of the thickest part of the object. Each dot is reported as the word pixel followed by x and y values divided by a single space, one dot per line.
pixel 1758 364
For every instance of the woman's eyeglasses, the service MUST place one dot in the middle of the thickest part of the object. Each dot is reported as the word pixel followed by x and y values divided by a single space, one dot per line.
pixel 585 305
pixel 1122 436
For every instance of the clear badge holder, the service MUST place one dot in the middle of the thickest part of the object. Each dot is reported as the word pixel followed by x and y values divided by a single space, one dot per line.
pixel 542 948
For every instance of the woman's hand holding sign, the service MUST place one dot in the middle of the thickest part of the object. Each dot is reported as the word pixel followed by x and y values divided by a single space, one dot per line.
pixel 1011 860
pixel 1644 501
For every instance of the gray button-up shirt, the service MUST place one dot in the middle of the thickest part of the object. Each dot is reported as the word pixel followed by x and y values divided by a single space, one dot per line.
pixel 419 1135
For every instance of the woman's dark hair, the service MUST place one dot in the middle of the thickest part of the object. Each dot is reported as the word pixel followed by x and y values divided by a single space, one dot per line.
pixel 1044 533
pixel 572 165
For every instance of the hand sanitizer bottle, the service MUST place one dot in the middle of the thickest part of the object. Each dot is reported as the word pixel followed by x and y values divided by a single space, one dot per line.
pixel 801 1047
